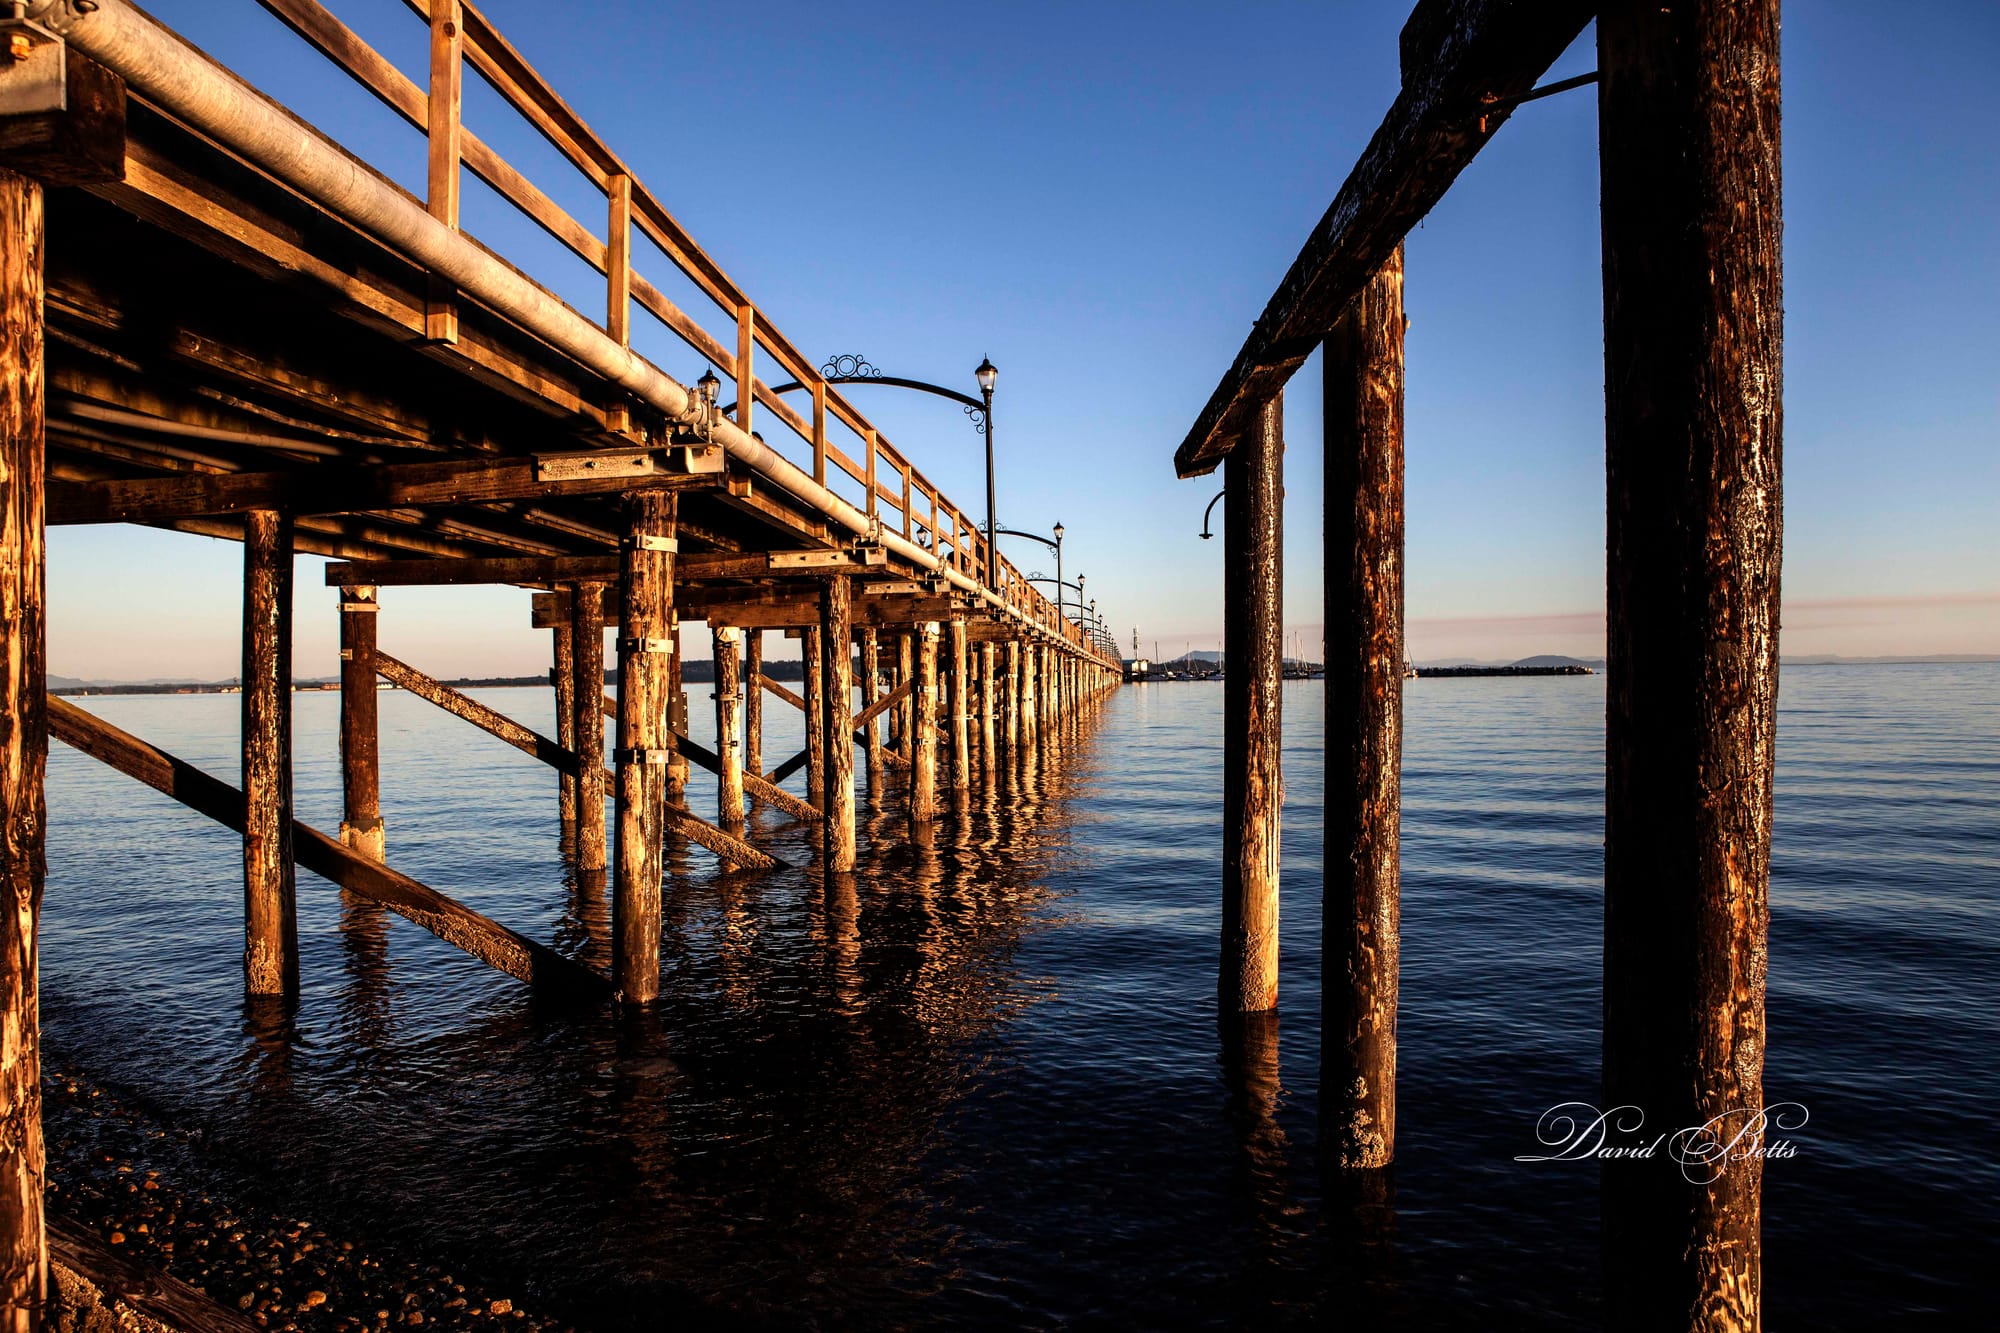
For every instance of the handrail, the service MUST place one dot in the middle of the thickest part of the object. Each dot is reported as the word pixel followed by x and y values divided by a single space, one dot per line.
pixel 460 33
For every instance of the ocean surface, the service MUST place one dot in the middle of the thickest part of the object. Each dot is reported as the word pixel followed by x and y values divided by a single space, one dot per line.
pixel 981 1084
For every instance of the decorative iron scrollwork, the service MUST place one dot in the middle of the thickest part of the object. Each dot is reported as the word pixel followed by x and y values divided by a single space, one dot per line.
pixel 848 366
pixel 978 415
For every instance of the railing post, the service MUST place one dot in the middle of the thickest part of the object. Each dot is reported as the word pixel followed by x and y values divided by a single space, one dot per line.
pixel 24 746
pixel 837 643
pixel 1253 646
pixel 270 914
pixel 1688 138
pixel 746 365
pixel 643 752
pixel 1360 919
pixel 360 744
pixel 618 283
pixel 819 435
pixel 445 128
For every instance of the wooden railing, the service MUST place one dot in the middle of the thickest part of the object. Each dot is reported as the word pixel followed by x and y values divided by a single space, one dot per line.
pixel 896 494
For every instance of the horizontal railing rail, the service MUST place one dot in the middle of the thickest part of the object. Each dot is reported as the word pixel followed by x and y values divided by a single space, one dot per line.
pixel 896 494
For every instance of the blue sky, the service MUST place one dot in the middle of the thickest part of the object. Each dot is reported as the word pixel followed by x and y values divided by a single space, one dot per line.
pixel 1101 198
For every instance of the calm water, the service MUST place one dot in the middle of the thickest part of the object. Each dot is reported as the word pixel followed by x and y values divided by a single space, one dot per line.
pixel 982 1085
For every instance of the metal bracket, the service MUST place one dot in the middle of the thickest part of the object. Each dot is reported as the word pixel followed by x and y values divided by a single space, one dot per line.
pixel 601 463
pixel 894 587
pixel 646 541
pixel 701 459
pixel 647 647
pixel 636 755
pixel 34 69
pixel 370 607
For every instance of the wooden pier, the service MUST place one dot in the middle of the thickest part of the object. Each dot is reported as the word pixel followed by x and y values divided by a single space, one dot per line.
pixel 1688 108
pixel 215 320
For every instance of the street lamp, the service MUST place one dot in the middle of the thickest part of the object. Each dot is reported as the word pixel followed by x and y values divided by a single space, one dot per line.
pixel 1058 530
pixel 988 375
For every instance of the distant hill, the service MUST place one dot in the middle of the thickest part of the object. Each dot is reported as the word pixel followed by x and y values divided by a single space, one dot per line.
pixel 1558 660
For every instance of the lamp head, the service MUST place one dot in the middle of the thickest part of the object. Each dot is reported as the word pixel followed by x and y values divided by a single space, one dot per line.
pixel 709 386
pixel 1059 532
pixel 987 374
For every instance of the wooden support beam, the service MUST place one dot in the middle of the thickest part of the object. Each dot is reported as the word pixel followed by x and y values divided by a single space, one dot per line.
pixel 753 703
pixel 1031 693
pixel 24 747
pixel 902 733
pixel 960 708
pixel 446 140
pixel 989 748
pixel 867 716
pixel 924 727
pixel 1458 56
pixel 763 788
pixel 837 644
pixel 1688 135
pixel 645 745
pixel 815 696
pixel 491 721
pixel 871 730
pixel 452 922
pixel 599 569
pixel 270 912
pixel 1361 917
pixel 586 647
pixel 783 691
pixel 562 674
pixel 728 697
pixel 360 742
pixel 164 1300
pixel 1010 689
pixel 335 488
pixel 1252 784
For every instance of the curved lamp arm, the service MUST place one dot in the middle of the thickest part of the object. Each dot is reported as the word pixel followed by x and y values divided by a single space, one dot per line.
pixel 1033 537
pixel 1205 533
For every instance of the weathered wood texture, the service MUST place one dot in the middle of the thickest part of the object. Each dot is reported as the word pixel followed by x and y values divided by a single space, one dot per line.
pixel 871 684
pixel 762 788
pixel 82 144
pixel 645 743
pixel 480 936
pixel 837 643
pixel 924 727
pixel 960 708
pixel 495 723
pixel 1458 56
pixel 753 703
pixel 152 1293
pixel 1010 695
pixel 270 912
pixel 1361 918
pixel 360 740
pixel 813 668
pixel 783 691
pixel 1688 112
pixel 23 750
pixel 562 674
pixel 989 703
pixel 904 714
pixel 586 648
pixel 1253 645
pixel 728 692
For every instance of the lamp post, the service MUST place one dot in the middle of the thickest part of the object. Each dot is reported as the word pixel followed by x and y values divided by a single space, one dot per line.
pixel 987 376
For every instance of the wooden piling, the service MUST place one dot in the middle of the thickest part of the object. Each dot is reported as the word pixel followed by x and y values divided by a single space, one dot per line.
pixel 753 702
pixel 871 730
pixel 586 647
pixel 24 748
pixel 924 728
pixel 989 746
pixel 1688 134
pixel 1031 719
pixel 677 715
pixel 562 674
pixel 1010 689
pixel 813 662
pixel 905 712
pixel 837 642
pixel 1253 645
pixel 644 744
pixel 960 707
pixel 270 912
pixel 1361 917
pixel 728 738
pixel 360 745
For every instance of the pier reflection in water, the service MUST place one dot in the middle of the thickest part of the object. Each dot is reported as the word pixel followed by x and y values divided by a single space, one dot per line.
pixel 981 1084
